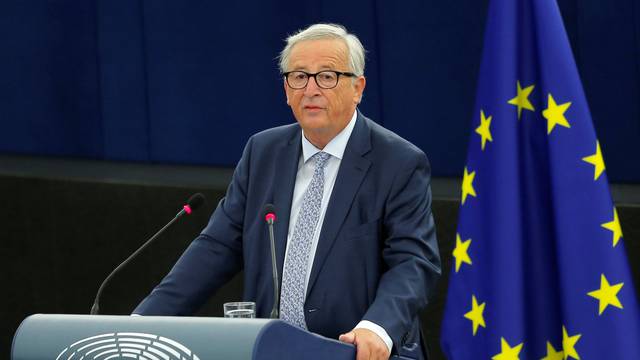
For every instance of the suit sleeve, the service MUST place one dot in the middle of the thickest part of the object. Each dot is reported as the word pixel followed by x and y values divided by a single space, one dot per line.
pixel 211 259
pixel 410 251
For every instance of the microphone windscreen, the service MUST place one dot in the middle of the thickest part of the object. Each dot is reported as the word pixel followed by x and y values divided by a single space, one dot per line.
pixel 195 201
pixel 269 209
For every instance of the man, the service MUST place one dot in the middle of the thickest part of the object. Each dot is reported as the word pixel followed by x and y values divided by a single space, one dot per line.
pixel 355 238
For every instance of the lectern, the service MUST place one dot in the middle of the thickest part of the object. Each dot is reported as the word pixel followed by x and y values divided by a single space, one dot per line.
pixel 99 337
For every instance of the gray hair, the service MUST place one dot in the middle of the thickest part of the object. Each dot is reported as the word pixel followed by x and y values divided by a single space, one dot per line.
pixel 327 31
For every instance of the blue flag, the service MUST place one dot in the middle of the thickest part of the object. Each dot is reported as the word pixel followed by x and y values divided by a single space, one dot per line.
pixel 539 267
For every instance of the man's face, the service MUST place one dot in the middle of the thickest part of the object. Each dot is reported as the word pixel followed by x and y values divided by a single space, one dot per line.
pixel 323 113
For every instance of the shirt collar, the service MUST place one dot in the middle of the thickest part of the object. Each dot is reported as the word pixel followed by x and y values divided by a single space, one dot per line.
pixel 336 146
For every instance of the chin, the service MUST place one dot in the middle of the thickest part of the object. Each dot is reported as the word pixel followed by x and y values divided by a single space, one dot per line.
pixel 313 121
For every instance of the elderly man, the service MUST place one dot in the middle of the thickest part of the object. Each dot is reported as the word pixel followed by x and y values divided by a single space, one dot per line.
pixel 355 238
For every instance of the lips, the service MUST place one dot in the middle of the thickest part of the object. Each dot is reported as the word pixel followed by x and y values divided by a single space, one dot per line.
pixel 312 107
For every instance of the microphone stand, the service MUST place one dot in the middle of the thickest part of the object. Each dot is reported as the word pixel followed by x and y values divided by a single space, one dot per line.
pixel 276 298
pixel 194 202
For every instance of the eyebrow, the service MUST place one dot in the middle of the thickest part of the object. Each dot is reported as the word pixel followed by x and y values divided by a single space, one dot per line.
pixel 320 68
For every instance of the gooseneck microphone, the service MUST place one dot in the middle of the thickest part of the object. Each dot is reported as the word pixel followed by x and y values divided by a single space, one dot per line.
pixel 195 201
pixel 270 218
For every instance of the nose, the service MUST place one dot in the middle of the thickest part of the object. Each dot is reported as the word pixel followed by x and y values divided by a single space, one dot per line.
pixel 312 88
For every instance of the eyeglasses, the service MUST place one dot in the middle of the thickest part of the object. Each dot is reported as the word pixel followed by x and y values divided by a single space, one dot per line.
pixel 327 79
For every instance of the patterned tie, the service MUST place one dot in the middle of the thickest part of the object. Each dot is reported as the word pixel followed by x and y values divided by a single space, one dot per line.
pixel 295 270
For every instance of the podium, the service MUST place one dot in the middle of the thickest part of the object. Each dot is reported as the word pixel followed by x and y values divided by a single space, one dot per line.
pixel 101 337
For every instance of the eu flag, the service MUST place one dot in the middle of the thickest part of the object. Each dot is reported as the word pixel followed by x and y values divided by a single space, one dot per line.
pixel 540 270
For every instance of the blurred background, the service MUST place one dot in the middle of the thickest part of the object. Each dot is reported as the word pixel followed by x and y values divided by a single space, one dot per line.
pixel 113 112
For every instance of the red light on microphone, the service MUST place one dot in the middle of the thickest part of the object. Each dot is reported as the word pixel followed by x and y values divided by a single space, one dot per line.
pixel 270 217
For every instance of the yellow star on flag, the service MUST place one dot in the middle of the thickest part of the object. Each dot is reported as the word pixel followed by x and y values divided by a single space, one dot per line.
pixel 476 314
pixel 569 343
pixel 483 130
pixel 522 99
pixel 552 354
pixel 554 114
pixel 607 294
pixel 467 185
pixel 597 162
pixel 460 252
pixel 614 226
pixel 507 352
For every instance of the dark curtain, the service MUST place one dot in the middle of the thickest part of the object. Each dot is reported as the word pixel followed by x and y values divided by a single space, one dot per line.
pixel 190 81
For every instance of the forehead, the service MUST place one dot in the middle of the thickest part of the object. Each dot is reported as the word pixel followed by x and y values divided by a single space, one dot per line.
pixel 319 54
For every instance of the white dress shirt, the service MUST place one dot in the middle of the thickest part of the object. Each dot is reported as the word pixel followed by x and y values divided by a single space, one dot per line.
pixel 306 168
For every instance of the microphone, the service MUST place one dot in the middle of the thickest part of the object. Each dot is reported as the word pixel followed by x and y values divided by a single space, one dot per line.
pixel 270 217
pixel 195 201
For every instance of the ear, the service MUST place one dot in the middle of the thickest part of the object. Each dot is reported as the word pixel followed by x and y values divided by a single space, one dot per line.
pixel 286 93
pixel 359 84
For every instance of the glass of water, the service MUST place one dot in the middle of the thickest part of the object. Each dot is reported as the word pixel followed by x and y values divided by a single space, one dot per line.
pixel 244 309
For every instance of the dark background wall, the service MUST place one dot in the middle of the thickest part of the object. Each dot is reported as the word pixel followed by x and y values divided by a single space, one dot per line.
pixel 160 81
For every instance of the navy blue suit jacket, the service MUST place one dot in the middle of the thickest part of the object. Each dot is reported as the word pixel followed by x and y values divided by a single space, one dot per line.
pixel 377 258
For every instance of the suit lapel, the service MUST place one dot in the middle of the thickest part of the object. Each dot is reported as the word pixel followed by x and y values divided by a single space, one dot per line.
pixel 286 169
pixel 353 169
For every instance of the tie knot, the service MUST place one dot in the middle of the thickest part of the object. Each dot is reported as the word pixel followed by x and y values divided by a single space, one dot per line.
pixel 321 158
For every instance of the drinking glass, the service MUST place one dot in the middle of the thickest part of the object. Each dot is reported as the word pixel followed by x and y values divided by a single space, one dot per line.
pixel 244 309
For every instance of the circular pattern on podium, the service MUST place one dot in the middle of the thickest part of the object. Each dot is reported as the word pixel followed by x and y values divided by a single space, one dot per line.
pixel 127 345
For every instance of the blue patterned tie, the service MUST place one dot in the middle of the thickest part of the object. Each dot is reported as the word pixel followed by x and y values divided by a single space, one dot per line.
pixel 295 269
